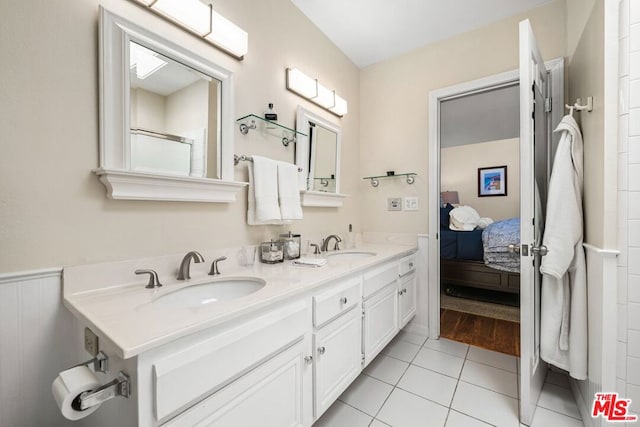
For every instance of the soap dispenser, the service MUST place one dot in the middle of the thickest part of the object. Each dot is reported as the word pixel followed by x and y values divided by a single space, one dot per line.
pixel 351 240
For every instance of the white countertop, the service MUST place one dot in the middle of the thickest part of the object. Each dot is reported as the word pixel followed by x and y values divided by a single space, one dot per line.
pixel 122 313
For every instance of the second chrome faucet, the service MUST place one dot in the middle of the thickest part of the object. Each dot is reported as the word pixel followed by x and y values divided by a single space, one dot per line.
pixel 185 265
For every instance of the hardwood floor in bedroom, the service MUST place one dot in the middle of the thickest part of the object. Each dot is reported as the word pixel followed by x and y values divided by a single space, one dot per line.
pixel 493 334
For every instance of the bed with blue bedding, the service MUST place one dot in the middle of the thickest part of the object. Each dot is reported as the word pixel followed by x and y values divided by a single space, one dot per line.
pixel 480 258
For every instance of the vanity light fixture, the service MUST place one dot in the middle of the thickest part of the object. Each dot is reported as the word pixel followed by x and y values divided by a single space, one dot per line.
pixel 200 19
pixel 307 87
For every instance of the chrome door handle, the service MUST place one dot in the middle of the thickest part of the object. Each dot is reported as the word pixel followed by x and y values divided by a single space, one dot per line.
pixel 308 359
pixel 321 350
pixel 515 249
pixel 541 250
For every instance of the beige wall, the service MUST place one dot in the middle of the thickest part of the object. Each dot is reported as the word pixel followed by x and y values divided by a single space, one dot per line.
pixel 459 172
pixel 53 209
pixel 395 112
pixel 586 78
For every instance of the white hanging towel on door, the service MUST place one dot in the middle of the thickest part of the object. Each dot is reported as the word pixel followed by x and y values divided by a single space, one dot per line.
pixel 563 320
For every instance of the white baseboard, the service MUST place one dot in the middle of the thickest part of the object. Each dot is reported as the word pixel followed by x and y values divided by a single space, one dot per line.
pixel 583 407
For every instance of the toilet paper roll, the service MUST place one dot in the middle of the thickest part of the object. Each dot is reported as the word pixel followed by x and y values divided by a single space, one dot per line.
pixel 71 383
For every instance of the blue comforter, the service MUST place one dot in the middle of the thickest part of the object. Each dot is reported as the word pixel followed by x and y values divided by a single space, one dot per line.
pixel 495 239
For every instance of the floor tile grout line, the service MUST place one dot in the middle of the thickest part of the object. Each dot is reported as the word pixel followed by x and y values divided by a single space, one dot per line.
pixel 489 389
pixel 400 379
pixel 394 386
pixel 558 412
pixel 496 367
pixel 475 418
pixel 426 398
pixel 351 406
pixel 438 372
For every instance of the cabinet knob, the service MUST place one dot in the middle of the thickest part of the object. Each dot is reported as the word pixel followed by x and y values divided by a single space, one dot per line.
pixel 343 300
pixel 308 359
pixel 321 350
pixel 404 291
pixel 410 265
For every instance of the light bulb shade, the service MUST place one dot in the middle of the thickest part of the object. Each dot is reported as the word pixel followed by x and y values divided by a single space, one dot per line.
pixel 228 35
pixel 307 87
pixel 341 106
pixel 450 197
pixel 300 83
pixel 192 14
pixel 325 97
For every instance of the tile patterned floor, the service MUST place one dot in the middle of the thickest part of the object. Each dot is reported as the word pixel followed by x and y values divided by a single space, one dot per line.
pixel 441 383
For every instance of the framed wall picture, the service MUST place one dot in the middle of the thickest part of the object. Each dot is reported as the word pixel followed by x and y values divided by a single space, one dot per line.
pixel 492 181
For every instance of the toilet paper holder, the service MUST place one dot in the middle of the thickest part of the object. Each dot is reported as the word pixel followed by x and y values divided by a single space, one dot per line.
pixel 100 363
pixel 120 386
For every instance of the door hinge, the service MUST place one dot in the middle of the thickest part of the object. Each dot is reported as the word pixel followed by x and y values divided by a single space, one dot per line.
pixel 363 313
pixel 548 105
pixel 362 359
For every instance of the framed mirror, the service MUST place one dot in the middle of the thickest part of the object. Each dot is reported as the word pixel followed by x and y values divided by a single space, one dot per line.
pixel 318 154
pixel 166 125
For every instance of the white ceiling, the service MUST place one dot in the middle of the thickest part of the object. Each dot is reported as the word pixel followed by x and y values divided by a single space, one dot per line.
pixel 369 31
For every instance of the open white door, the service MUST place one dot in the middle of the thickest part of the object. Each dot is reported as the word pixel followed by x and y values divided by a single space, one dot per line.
pixel 534 167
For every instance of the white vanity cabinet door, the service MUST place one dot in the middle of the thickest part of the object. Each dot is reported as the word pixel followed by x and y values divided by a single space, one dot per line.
pixel 380 320
pixel 406 298
pixel 337 358
pixel 271 395
pixel 182 374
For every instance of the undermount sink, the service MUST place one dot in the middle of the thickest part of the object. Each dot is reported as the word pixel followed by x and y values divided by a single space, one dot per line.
pixel 350 256
pixel 206 293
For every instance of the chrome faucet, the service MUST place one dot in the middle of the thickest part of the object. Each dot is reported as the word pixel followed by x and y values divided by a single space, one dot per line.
pixel 325 243
pixel 214 266
pixel 183 271
pixel 154 282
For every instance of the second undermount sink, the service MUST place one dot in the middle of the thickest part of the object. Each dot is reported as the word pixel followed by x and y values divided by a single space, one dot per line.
pixel 210 292
pixel 350 256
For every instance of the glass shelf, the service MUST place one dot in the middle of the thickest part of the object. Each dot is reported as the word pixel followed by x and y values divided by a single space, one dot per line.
pixel 409 176
pixel 250 121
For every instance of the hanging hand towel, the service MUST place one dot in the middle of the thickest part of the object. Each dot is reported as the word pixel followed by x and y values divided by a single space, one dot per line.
pixel 288 191
pixel 262 206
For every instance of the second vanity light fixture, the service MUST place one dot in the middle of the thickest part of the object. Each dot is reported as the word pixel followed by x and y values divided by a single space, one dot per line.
pixel 307 87
pixel 202 20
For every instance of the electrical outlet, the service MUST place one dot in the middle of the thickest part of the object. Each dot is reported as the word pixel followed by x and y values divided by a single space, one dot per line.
pixel 394 204
pixel 411 204
pixel 90 342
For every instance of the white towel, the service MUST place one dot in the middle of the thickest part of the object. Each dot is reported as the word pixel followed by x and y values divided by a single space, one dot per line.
pixel 310 262
pixel 563 308
pixel 262 206
pixel 288 191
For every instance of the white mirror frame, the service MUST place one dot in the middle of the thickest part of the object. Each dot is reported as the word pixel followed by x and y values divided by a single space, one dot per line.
pixel 115 33
pixel 303 145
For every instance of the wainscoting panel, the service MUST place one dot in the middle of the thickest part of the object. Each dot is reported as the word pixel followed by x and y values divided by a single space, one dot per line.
pixel 602 308
pixel 36 342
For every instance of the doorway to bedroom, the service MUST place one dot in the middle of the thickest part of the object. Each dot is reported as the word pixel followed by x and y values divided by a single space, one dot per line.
pixel 479 217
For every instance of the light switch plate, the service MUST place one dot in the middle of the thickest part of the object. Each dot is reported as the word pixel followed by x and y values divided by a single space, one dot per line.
pixel 411 204
pixel 394 203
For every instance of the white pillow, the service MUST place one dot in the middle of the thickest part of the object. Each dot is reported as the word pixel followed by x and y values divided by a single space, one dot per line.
pixel 463 218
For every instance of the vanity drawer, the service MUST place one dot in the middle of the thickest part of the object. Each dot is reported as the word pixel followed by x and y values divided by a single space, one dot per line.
pixel 379 277
pixel 184 377
pixel 407 265
pixel 336 300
